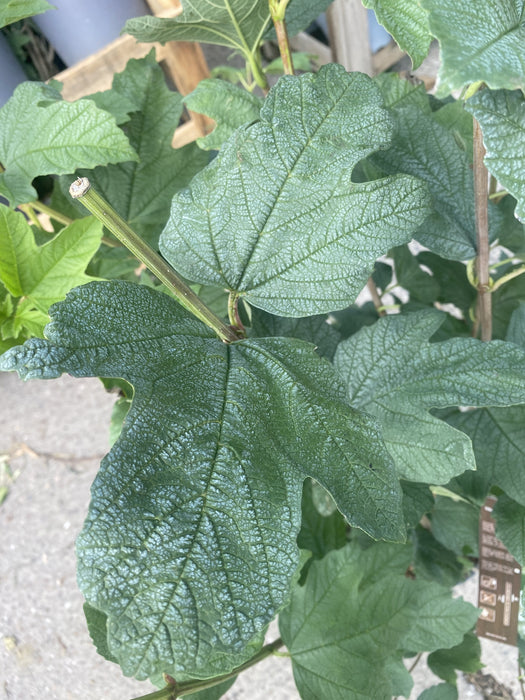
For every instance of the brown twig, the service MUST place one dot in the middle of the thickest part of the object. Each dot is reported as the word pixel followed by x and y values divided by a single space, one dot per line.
pixel 484 302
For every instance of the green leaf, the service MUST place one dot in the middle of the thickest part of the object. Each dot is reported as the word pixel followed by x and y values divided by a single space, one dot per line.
pixel 141 192
pixel 455 524
pixel 417 501
pixel 452 280
pixel 498 440
pixel 40 135
pixel 196 509
pixel 479 41
pixel 299 15
pixel 505 301
pixel 422 286
pixel 395 374
pixel 276 217
pixel 426 148
pixel 15 10
pixel 98 631
pixel 407 22
pixel 238 24
pixel 443 691
pixel 313 329
pixel 399 92
pixel 344 627
pixel 464 657
pixel 434 562
pixel 319 534
pixel 516 329
pixel 45 273
pixel 229 105
pixel 502 118
pixel 510 526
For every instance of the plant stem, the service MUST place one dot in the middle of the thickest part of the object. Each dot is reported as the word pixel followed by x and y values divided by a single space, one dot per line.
pixel 178 690
pixel 28 210
pixel 97 205
pixel 52 213
pixel 375 297
pixel 484 304
pixel 277 12
pixel 233 313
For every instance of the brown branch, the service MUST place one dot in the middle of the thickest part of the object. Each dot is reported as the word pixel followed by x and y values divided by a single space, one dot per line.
pixel 484 303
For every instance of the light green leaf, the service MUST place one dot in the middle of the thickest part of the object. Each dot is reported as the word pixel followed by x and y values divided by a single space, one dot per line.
pixel 399 92
pixel 395 374
pixel 141 192
pixel 426 148
pixel 510 526
pixel 479 41
pixel 40 136
pixel 15 10
pixel 498 440
pixel 502 118
pixel 344 627
pixel 464 657
pixel 229 105
pixel 407 22
pixel 196 509
pixel 238 24
pixel 276 217
pixel 45 273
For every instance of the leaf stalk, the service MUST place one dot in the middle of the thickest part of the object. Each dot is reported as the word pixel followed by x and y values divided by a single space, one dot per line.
pixel 277 12
pixel 177 690
pixel 81 189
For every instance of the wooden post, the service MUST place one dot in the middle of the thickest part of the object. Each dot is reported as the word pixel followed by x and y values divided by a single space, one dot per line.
pixel 348 29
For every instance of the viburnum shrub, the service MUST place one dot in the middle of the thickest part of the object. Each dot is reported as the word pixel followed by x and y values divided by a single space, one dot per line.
pixel 284 451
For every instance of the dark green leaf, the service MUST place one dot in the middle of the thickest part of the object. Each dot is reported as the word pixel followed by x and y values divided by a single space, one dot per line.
pixel 407 22
pixel 505 301
pixel 41 134
pixel 464 657
pixel 394 373
pixel 510 526
pixel 498 440
pixel 452 279
pixel 141 192
pixel 434 562
pixel 422 286
pixel 502 118
pixel 229 105
pixel 276 217
pixel 417 500
pixel 299 15
pixel 455 524
pixel 350 320
pixel 424 147
pixel 516 329
pixel 399 92
pixel 196 509
pixel 443 691
pixel 343 628
pixel 15 10
pixel 313 329
pixel 479 41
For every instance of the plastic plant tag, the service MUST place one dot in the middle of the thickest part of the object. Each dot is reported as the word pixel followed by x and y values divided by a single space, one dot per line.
pixel 499 583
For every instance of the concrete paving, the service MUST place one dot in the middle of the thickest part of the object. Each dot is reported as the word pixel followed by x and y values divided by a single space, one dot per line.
pixel 52 438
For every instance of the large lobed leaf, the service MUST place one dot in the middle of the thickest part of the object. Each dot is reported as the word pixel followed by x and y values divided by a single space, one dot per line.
pixel 276 216
pixel 40 134
pixel 407 22
pixel 394 373
pixel 189 545
pixel 141 191
pixel 15 10
pixel 502 117
pixel 480 40
pixel 345 627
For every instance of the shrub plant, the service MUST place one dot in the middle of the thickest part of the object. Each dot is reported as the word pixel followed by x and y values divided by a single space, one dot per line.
pixel 287 451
